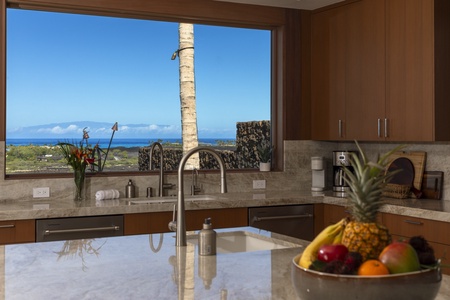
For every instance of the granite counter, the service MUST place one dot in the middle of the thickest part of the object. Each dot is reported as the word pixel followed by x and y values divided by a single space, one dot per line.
pixel 56 208
pixel 147 267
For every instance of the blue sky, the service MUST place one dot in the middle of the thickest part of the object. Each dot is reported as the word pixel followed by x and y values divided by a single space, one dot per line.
pixel 66 68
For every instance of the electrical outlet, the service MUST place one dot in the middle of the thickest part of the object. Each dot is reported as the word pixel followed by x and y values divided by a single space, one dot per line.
pixel 42 192
pixel 259 184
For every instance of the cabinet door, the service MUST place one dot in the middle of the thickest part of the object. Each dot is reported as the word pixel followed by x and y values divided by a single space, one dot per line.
pixel 365 69
pixel 348 71
pixel 410 70
pixel 21 231
pixel 157 222
pixel 328 74
pixel 334 213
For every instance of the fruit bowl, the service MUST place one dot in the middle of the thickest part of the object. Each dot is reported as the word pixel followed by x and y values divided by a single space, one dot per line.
pixel 315 285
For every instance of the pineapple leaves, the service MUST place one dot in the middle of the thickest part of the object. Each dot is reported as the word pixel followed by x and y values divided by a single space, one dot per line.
pixel 366 183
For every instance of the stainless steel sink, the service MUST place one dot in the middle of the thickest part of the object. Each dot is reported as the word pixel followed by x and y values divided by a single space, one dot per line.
pixel 157 200
pixel 244 241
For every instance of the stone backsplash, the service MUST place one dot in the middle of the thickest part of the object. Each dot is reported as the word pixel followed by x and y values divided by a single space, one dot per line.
pixel 295 176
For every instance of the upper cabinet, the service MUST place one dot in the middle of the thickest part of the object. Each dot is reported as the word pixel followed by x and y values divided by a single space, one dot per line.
pixel 347 70
pixel 379 71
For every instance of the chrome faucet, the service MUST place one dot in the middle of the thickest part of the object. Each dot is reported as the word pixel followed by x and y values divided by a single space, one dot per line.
pixel 180 224
pixel 162 185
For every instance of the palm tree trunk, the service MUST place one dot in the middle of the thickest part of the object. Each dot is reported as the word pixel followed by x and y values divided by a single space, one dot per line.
pixel 187 92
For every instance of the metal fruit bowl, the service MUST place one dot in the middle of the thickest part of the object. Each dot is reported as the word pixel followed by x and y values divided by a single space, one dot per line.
pixel 315 285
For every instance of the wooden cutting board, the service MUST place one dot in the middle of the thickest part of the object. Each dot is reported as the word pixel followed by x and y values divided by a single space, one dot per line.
pixel 432 184
pixel 418 158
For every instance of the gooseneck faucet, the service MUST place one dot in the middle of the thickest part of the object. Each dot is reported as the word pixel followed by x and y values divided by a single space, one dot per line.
pixel 181 212
pixel 161 171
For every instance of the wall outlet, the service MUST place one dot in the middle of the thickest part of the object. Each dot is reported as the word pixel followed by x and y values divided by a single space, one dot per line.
pixel 259 184
pixel 42 192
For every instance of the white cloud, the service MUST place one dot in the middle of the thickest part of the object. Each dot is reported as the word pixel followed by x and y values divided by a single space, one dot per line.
pixel 60 130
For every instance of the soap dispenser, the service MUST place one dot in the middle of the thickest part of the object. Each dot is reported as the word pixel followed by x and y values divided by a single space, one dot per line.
pixel 207 239
pixel 130 189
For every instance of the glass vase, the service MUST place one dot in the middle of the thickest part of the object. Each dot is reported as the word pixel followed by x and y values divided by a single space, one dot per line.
pixel 80 184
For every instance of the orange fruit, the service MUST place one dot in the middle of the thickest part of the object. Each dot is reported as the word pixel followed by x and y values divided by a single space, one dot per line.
pixel 372 267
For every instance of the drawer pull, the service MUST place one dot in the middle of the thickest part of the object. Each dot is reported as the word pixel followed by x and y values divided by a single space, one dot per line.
pixel 413 222
pixel 8 226
pixel 76 230
pixel 260 219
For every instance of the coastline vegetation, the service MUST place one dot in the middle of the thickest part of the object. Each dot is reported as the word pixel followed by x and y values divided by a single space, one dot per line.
pixel 48 158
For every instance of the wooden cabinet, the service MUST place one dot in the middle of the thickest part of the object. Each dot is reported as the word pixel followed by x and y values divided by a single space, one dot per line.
pixel 347 71
pixel 327 214
pixel 20 231
pixel 411 53
pixel 157 222
pixel 328 74
pixel 334 213
pixel 435 232
pixel 379 71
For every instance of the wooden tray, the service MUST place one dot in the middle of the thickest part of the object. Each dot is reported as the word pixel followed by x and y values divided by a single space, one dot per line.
pixel 418 158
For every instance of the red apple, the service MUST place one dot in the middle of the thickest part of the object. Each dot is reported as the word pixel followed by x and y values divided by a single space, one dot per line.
pixel 400 257
pixel 329 253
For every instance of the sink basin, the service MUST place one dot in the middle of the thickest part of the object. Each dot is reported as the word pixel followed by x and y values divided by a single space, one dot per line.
pixel 244 241
pixel 157 200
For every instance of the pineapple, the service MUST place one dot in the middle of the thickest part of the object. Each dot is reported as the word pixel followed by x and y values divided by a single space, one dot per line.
pixel 363 234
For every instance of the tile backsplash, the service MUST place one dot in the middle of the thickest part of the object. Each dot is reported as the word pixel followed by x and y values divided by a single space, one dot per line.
pixel 296 174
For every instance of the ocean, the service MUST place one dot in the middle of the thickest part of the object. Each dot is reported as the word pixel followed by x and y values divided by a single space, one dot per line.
pixel 103 143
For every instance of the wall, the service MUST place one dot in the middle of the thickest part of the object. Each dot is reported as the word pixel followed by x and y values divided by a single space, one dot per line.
pixel 296 174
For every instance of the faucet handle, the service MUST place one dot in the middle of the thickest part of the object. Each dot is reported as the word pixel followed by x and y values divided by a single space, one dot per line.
pixel 173 223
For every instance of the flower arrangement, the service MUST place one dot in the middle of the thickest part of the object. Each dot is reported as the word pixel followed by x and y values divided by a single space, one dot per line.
pixel 79 157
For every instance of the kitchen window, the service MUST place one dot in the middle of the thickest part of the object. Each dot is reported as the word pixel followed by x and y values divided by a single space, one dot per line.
pixel 254 52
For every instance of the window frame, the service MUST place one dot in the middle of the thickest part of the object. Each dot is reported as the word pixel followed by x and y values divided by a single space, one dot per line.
pixel 195 11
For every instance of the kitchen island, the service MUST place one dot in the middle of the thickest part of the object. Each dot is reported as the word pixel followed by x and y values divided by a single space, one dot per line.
pixel 148 267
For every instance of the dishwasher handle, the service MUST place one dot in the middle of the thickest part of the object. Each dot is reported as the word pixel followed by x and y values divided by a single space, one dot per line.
pixel 286 217
pixel 109 228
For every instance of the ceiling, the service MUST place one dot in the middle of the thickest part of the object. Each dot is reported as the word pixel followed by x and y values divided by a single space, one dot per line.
pixel 296 4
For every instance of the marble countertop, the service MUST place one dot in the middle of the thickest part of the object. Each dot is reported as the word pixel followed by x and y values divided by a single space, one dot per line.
pixel 148 267
pixel 55 208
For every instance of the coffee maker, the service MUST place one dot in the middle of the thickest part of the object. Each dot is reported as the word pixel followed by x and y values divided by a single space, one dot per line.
pixel 341 160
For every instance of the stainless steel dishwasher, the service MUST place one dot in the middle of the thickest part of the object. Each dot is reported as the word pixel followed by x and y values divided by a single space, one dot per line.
pixel 291 220
pixel 78 228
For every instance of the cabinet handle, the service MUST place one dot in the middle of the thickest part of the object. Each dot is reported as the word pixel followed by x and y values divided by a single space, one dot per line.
pixel 260 219
pixel 379 127
pixel 413 222
pixel 386 128
pixel 340 128
pixel 8 226
pixel 76 230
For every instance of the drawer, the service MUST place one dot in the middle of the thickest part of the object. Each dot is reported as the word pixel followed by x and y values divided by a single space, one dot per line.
pixel 432 231
pixel 59 229
pixel 20 231
pixel 440 251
